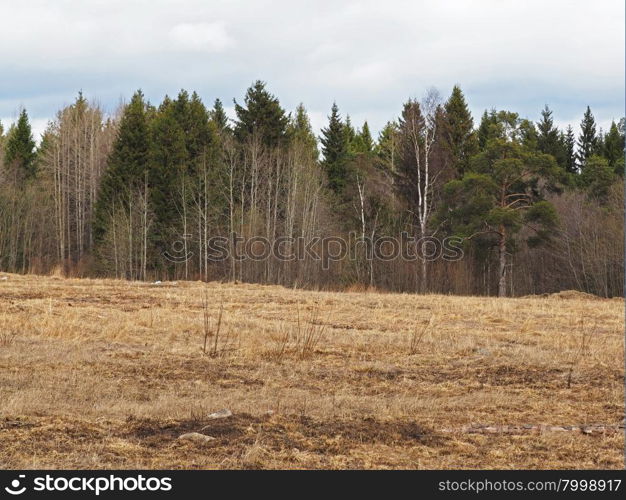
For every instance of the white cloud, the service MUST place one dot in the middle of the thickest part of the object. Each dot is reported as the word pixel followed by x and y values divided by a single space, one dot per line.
pixel 203 37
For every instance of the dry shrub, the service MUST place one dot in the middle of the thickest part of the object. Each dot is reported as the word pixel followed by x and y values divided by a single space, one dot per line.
pixel 212 328
pixel 7 337
pixel 418 335
pixel 309 334
pixel 280 343
pixel 584 334
pixel 299 340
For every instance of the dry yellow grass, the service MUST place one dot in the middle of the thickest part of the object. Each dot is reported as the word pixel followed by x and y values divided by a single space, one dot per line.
pixel 107 374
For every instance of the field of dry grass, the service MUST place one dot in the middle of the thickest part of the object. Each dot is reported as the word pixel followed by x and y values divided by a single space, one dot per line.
pixel 108 374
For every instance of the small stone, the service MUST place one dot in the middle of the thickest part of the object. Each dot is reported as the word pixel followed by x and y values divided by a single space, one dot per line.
pixel 390 371
pixel 196 437
pixel 224 413
pixel 482 351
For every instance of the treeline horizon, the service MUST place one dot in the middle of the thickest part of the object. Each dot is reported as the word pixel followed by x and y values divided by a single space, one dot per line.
pixel 535 208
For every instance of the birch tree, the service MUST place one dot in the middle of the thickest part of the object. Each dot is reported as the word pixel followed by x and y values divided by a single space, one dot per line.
pixel 417 175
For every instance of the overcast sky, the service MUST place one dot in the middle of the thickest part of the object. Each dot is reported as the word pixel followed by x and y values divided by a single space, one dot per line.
pixel 368 56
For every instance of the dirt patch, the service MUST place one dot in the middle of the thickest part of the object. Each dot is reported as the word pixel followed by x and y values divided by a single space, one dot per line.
pixel 370 431
pixel 154 432
pixel 504 375
pixel 281 432
pixel 175 369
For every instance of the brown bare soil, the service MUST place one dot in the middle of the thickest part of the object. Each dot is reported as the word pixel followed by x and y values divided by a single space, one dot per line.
pixel 108 374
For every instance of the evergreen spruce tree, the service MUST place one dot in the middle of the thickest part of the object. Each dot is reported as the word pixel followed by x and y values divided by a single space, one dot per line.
pixel 218 116
pixel 19 150
pixel 387 146
pixel 569 144
pixel 261 114
pixel 614 149
pixel 334 141
pixel 587 140
pixel 599 150
pixel 199 138
pixel 127 164
pixel 548 133
pixel 350 135
pixel 366 138
pixel 362 142
pixel 528 134
pixel 300 131
pixel 168 163
pixel 459 138
pixel 409 179
pixel 597 178
pixel 487 128
pixel 183 144
pixel 549 139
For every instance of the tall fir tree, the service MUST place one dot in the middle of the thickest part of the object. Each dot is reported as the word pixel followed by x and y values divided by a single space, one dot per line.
pixel 218 116
pixel 487 128
pixel 569 144
pixel 528 134
pixel 362 142
pixel 301 132
pixel 614 149
pixel 168 157
pixel 128 162
pixel 587 140
pixel 387 146
pixel 198 134
pixel 261 114
pixel 596 178
pixel 599 151
pixel 549 139
pixel 19 150
pixel 334 140
pixel 458 136
pixel 409 177
pixel 350 134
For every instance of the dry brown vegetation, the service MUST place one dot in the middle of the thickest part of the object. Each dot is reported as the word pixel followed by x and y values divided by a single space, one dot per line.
pixel 108 374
